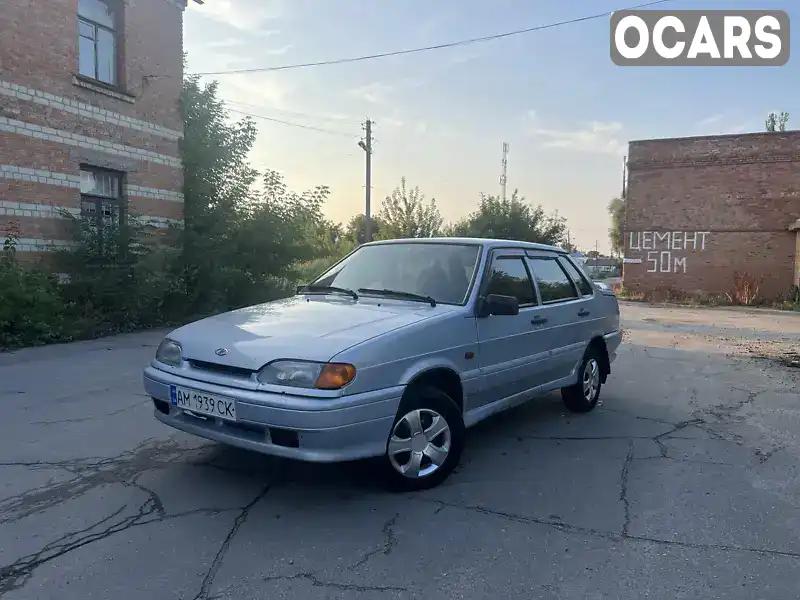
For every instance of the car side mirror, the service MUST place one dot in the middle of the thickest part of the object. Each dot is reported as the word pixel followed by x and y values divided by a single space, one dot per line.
pixel 495 304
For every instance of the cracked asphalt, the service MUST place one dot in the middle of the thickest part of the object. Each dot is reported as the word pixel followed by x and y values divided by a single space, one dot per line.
pixel 683 484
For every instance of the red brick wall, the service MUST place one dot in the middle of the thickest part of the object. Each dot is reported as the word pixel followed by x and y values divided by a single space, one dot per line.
pixel 49 117
pixel 52 156
pixel 736 195
pixel 39 50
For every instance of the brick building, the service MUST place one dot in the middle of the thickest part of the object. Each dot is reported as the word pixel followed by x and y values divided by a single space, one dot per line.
pixel 700 209
pixel 89 115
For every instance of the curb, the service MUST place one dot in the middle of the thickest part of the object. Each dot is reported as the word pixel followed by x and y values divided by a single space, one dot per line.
pixel 753 310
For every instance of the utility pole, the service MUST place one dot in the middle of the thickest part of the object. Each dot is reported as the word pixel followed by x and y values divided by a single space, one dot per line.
pixel 504 171
pixel 366 146
pixel 569 241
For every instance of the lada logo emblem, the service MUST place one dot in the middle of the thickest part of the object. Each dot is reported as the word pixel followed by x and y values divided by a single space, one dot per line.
pixel 221 351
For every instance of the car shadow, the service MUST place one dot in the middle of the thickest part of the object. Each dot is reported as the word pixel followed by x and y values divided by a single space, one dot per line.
pixel 364 475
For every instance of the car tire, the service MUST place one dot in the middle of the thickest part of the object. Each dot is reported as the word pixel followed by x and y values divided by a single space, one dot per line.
pixel 437 435
pixel 583 396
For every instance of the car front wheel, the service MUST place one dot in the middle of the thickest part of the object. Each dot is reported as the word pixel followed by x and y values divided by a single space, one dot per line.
pixel 426 441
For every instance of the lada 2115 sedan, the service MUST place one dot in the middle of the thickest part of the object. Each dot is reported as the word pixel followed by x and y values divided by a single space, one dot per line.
pixel 392 353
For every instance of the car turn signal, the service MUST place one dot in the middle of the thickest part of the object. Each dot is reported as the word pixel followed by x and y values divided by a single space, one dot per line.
pixel 334 376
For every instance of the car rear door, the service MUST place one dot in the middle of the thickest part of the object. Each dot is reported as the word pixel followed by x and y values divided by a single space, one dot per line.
pixel 566 308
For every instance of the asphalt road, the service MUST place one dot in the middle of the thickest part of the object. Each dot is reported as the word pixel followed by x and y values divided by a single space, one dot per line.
pixel 682 485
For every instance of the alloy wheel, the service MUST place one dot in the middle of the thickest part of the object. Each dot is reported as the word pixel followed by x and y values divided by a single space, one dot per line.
pixel 420 443
pixel 591 379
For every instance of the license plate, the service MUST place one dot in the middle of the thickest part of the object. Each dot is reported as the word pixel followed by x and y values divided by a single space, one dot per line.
pixel 203 403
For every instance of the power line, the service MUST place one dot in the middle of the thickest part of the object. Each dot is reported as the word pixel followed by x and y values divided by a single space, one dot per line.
pixel 428 48
pixel 291 113
pixel 300 125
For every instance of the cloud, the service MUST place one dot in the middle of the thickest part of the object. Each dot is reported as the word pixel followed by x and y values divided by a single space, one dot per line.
pixel 428 27
pixel 226 60
pixel 598 137
pixel 244 15
pixel 711 120
pixel 278 51
pixel 722 124
pixel 373 93
pixel 460 57
pixel 389 122
pixel 381 93
pixel 226 43
pixel 265 90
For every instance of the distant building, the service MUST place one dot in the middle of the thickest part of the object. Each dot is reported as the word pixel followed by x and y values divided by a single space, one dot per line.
pixel 578 257
pixel 700 209
pixel 600 267
pixel 89 116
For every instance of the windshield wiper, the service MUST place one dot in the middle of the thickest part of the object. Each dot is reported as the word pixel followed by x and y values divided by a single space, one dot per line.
pixel 396 294
pixel 326 289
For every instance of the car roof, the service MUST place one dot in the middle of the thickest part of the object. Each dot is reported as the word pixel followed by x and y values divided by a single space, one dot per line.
pixel 486 242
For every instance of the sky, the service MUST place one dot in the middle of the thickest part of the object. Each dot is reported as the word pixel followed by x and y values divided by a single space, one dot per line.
pixel 441 117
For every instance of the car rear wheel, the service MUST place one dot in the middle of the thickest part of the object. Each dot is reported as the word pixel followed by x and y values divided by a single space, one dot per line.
pixel 583 396
pixel 425 442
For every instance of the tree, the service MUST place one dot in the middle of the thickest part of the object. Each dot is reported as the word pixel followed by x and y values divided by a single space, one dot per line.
pixel 241 246
pixel 777 122
pixel 569 246
pixel 616 232
pixel 592 254
pixel 217 189
pixel 511 219
pixel 356 230
pixel 404 214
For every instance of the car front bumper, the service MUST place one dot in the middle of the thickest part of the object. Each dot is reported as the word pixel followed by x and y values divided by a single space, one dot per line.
pixel 309 429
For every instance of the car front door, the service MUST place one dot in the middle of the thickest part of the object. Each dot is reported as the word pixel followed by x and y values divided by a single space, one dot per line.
pixel 512 354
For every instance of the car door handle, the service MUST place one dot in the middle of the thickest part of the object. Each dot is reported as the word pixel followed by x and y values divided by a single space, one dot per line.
pixel 538 320
pixel 583 313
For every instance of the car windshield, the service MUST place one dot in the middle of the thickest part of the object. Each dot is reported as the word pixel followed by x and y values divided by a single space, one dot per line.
pixel 436 270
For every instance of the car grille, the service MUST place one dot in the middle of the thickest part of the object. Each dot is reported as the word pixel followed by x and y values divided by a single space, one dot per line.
pixel 202 365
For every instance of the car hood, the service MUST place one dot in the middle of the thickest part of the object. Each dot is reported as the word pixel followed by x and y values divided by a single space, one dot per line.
pixel 305 328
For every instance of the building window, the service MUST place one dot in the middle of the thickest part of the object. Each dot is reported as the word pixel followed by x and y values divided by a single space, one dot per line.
pixel 101 197
pixel 98 25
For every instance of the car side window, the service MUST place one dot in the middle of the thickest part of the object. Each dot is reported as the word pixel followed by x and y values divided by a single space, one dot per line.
pixel 509 277
pixel 577 277
pixel 554 283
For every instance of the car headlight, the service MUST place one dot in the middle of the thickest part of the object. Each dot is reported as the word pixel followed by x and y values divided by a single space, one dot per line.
pixel 169 352
pixel 307 374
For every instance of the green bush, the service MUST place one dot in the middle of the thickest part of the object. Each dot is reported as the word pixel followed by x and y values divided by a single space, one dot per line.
pixel 32 311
